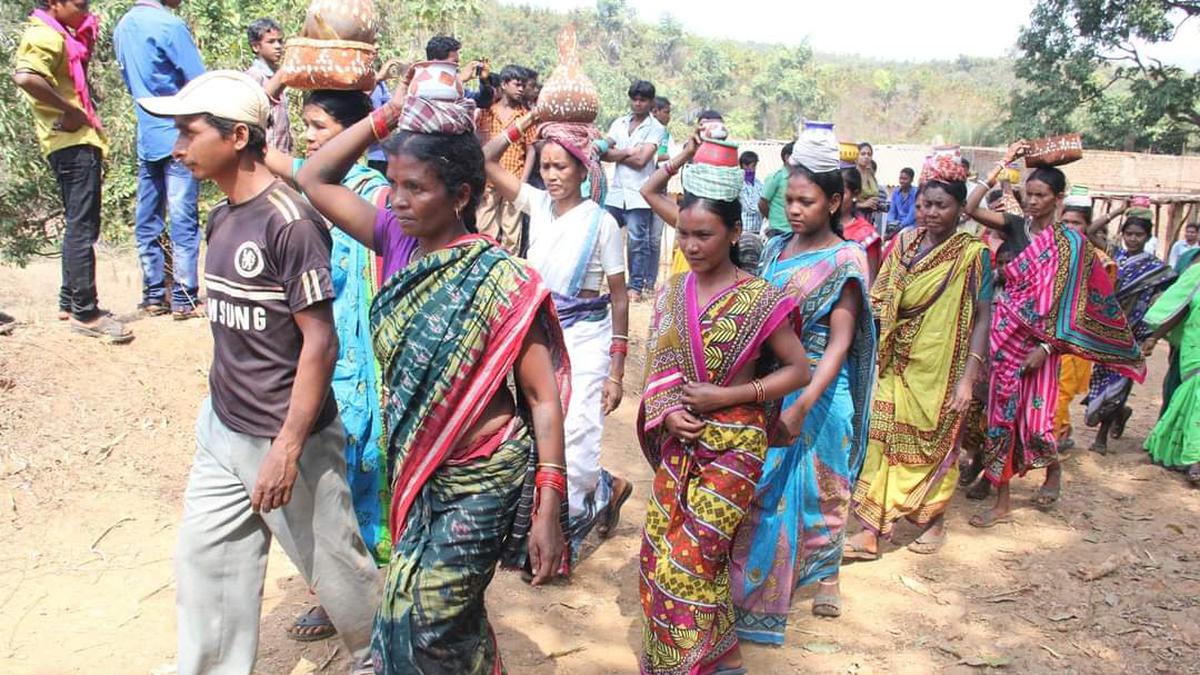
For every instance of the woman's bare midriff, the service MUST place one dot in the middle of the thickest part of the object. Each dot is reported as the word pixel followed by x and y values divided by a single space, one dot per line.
pixel 498 413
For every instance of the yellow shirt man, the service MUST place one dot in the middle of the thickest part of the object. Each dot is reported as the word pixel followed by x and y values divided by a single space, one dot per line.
pixel 43 51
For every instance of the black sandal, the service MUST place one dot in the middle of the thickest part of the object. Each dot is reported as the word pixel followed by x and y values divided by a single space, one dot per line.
pixel 612 514
pixel 315 617
pixel 1122 416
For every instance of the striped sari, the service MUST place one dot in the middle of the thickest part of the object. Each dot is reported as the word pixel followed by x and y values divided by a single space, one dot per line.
pixel 926 307
pixel 1140 278
pixel 1057 293
pixel 447 330
pixel 796 528
pixel 702 490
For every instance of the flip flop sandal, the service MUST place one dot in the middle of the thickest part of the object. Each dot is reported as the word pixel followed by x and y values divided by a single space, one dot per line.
pixel 107 330
pixel 1193 475
pixel 612 516
pixel 928 547
pixel 986 519
pixel 1046 498
pixel 852 552
pixel 196 312
pixel 151 309
pixel 828 605
pixel 315 617
pixel 64 315
pixel 7 324
pixel 1118 427
pixel 1099 448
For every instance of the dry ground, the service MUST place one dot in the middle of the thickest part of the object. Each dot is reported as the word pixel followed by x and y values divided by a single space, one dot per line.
pixel 95 445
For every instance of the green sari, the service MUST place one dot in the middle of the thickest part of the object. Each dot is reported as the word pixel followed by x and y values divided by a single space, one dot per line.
pixel 1175 440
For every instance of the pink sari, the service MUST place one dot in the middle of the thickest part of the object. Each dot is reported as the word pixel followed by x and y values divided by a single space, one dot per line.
pixel 1057 293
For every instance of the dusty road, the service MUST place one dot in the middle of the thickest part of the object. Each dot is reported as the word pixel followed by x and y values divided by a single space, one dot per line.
pixel 95 445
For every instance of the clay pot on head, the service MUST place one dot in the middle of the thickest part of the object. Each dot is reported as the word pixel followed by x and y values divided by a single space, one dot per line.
pixel 848 151
pixel 353 20
pixel 568 95
pixel 717 153
pixel 436 81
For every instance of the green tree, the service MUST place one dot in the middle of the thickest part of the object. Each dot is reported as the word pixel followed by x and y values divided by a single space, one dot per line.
pixel 709 75
pixel 786 90
pixel 1076 55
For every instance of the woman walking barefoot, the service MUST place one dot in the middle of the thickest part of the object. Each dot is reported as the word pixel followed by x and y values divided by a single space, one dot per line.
pixel 933 300
pixel 795 532
pixel 722 347
pixel 576 246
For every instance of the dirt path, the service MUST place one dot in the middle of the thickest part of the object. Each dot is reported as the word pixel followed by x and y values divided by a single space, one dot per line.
pixel 95 446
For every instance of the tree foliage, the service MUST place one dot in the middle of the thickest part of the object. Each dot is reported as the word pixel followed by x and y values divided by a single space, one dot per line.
pixel 1085 66
pixel 763 90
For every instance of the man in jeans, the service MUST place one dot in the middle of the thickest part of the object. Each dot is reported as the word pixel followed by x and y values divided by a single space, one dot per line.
pixel 157 57
pixel 269 444
pixel 50 66
pixel 634 141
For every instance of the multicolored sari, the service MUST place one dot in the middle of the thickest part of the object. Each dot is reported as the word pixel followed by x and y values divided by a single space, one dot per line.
pixel 794 533
pixel 1140 278
pixel 701 490
pixel 1175 440
pixel 926 307
pixel 447 330
pixel 1057 293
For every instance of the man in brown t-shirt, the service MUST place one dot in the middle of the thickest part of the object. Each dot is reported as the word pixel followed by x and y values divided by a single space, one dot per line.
pixel 269 458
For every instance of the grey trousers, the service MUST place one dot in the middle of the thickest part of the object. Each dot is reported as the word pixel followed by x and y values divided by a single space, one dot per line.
pixel 221 559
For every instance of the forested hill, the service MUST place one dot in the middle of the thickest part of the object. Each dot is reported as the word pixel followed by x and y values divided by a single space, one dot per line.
pixel 762 89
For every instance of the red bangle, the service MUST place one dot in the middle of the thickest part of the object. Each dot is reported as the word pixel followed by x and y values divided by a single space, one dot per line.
pixel 513 134
pixel 618 347
pixel 551 479
pixel 669 167
pixel 379 125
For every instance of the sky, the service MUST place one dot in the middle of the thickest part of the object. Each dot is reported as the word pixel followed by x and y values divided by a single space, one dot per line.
pixel 885 29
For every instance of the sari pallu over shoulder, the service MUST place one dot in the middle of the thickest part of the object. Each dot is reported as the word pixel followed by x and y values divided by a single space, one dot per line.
pixel 447 331
pixel 1058 292
pixel 743 317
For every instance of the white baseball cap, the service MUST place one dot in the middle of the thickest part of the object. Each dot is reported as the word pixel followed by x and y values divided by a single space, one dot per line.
pixel 230 94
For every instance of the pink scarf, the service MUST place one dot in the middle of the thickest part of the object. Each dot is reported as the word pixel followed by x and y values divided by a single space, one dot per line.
pixel 79 52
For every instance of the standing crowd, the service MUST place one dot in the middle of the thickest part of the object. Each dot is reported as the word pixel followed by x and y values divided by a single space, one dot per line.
pixel 420 325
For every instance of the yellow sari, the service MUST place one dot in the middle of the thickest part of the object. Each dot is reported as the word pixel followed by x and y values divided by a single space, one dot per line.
pixel 926 308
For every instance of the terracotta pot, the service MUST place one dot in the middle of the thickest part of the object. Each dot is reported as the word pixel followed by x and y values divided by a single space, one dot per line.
pixel 328 64
pixel 353 20
pixel 717 153
pixel 436 81
pixel 568 95
pixel 1054 151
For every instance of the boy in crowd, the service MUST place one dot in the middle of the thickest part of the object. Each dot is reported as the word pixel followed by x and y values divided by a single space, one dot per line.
pixel 266 40
pixel 50 67
pixel 269 444
pixel 158 57
pixel 635 138
pixel 773 203
pixel 496 217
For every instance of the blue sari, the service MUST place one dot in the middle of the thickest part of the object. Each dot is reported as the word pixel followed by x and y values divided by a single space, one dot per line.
pixel 794 532
pixel 356 373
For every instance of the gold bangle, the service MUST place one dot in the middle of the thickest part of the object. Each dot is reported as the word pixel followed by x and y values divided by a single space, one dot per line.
pixel 620 337
pixel 760 394
pixel 615 381
pixel 977 358
pixel 551 465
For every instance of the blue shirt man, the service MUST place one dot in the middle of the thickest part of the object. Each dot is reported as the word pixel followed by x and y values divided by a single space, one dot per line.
pixel 157 57
pixel 902 208
pixel 376 158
